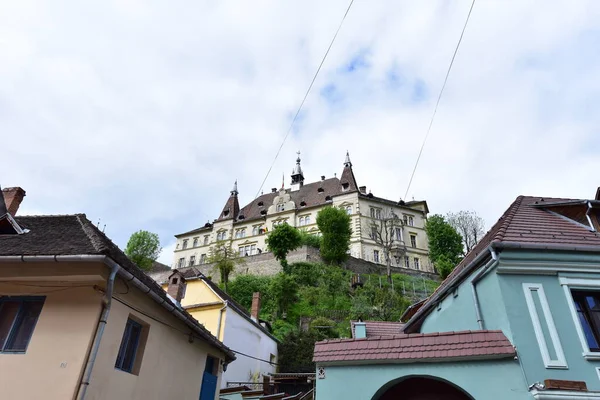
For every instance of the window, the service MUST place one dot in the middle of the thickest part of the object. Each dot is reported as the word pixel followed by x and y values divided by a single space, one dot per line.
pixel 300 221
pixel 587 305
pixel 407 261
pixel 280 207
pixel 399 234
pixel 192 260
pixel 202 258
pixel 185 242
pixel 130 347
pixel 195 244
pixel 348 210
pixel 240 233
pixel 181 263
pixel 18 316
pixel 417 266
pixel 413 240
pixel 307 220
pixel 177 246
pixel 248 250
pixel 376 255
pixel 255 230
pixel 411 221
pixel 375 213
pixel 252 249
pixel 205 240
pixel 221 235
pixel 405 219
pixel 374 232
pixel 242 252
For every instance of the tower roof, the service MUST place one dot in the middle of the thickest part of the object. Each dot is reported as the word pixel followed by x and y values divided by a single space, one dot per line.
pixel 232 207
pixel 297 175
pixel 347 179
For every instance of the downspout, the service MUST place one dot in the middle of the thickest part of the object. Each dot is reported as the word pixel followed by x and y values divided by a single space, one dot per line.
pixel 587 214
pixel 106 303
pixel 492 262
pixel 220 320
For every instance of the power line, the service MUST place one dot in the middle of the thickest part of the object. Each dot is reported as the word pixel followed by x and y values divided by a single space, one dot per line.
pixel 304 99
pixel 188 334
pixel 438 99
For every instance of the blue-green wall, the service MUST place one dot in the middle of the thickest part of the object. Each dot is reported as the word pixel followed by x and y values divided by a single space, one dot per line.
pixel 524 337
pixel 483 380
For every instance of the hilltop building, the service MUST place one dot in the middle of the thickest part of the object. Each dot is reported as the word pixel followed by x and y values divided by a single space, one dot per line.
pixel 247 227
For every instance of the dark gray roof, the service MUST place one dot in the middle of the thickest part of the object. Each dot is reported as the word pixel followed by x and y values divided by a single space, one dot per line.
pixel 54 235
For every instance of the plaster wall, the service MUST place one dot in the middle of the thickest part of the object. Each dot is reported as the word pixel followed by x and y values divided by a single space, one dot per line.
pixel 242 335
pixel 483 380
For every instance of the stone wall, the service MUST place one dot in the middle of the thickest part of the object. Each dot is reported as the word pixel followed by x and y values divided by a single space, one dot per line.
pixel 265 264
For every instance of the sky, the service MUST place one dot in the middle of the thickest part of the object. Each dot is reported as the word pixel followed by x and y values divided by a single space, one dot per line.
pixel 142 114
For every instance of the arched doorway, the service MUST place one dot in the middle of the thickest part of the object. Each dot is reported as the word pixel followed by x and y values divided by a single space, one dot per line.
pixel 421 388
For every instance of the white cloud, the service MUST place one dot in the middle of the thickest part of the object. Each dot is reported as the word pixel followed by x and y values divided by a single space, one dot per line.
pixel 144 114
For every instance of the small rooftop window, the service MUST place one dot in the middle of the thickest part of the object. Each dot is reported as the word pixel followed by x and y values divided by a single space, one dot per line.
pixel 345 185
pixel 263 212
pixel 226 212
pixel 302 203
pixel 327 198
pixel 241 216
pixel 320 190
pixel 260 204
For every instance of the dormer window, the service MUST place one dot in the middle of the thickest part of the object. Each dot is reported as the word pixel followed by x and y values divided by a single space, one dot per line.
pixel 263 212
pixel 302 204
pixel 241 217
pixel 328 198
pixel 226 212
pixel 260 204
pixel 345 186
pixel 320 190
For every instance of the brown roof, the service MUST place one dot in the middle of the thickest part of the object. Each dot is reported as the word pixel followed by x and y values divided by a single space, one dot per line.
pixel 380 328
pixel 64 235
pixel 416 347
pixel 528 222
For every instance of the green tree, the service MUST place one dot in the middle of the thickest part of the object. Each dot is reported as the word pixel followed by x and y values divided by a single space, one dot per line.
pixel 334 224
pixel 143 248
pixel 224 258
pixel 283 239
pixel 445 243
pixel 284 290
pixel 310 240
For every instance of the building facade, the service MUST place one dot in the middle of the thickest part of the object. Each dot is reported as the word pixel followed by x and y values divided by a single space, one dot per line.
pixel 79 320
pixel 247 227
pixel 227 320
pixel 517 319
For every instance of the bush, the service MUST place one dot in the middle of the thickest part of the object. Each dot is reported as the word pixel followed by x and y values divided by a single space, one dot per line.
pixel 325 327
pixel 310 240
pixel 306 274
pixel 334 225
pixel 243 287
pixel 296 351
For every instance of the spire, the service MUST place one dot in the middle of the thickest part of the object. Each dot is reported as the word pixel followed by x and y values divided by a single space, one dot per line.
pixel 347 162
pixel 232 207
pixel 297 175
pixel 347 179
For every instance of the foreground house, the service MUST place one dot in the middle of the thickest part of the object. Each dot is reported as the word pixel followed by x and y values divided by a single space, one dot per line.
pixel 246 228
pixel 227 320
pixel 519 318
pixel 78 320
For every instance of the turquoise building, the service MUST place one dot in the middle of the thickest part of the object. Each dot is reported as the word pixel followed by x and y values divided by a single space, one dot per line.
pixel 519 318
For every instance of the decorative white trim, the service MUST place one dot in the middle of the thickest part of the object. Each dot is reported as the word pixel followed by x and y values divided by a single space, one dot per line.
pixel 598 372
pixel 574 283
pixel 543 268
pixel 564 395
pixel 560 362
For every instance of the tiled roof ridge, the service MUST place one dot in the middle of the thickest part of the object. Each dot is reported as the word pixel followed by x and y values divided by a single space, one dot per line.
pixel 413 335
pixel 507 218
pixel 49 216
pixel 92 233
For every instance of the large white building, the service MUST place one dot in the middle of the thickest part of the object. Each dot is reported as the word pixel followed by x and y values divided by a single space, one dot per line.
pixel 247 227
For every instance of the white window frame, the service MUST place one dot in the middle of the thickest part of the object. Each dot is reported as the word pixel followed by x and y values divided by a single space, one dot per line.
pixel 411 241
pixel 411 221
pixel 560 362
pixel 348 210
pixel 417 263
pixel 206 240
pixel 185 244
pixel 376 255
pixel 569 284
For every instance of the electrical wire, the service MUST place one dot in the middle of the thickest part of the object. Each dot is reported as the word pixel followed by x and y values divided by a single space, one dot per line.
pixel 438 99
pixel 305 96
pixel 186 333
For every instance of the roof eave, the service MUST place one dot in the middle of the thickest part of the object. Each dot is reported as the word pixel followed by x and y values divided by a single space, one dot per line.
pixel 377 361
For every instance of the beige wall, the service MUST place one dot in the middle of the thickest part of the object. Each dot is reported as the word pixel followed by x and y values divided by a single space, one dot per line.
pixel 171 367
pixel 53 363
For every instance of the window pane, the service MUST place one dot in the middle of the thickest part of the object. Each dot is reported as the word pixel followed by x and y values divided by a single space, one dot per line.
pixel 129 344
pixel 587 330
pixel 592 303
pixel 8 312
pixel 23 329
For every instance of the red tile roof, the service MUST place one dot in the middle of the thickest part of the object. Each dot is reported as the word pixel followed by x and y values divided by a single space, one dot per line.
pixel 418 347
pixel 528 221
pixel 381 328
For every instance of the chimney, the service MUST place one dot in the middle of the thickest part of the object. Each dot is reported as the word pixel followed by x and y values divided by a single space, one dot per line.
pixel 176 288
pixel 13 196
pixel 255 306
pixel 273 190
pixel 322 177
pixel 598 193
pixel 363 189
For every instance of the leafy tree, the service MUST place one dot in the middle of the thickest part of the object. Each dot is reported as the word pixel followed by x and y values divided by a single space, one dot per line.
pixel 296 351
pixel 310 240
pixel 244 286
pixel 470 225
pixel 444 266
pixel 445 243
pixel 306 273
pixel 283 239
pixel 334 224
pixel 143 248
pixel 224 258
pixel 284 290
pixel 387 233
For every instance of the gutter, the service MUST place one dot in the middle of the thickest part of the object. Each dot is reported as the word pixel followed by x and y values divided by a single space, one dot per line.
pixel 220 320
pixel 492 263
pixel 106 303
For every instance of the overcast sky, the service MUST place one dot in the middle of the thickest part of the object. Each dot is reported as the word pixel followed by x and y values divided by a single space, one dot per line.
pixel 141 114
